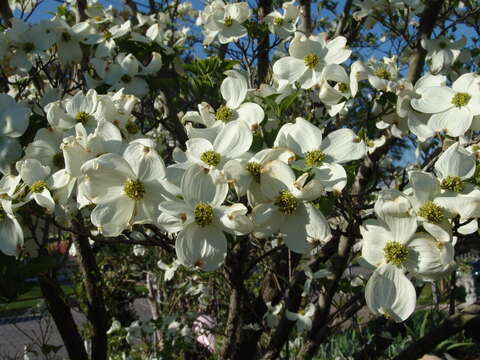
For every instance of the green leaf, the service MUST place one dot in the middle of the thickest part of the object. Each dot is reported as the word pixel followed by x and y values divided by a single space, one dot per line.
pixel 286 102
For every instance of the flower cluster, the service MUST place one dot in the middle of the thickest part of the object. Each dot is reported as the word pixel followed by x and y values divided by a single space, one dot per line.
pixel 93 132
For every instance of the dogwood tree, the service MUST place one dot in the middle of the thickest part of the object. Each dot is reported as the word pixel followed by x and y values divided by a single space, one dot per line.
pixel 267 170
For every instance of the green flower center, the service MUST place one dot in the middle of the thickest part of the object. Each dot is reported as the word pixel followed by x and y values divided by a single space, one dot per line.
pixel 203 214
pixel 228 21
pixel 382 73
pixel 38 186
pixel 286 202
pixel 278 21
pixel 370 143
pixel 311 61
pixel 442 44
pixel 224 113
pixel 210 158
pixel 314 158
pixel 432 212
pixel 131 127
pixel 254 169
pixel 82 117
pixel 395 253
pixel 452 183
pixel 134 189
pixel 107 35
pixel 58 160
pixel 342 87
pixel 461 99
pixel 126 78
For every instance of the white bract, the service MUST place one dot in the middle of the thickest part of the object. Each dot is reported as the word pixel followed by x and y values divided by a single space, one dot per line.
pixel 225 21
pixel 11 233
pixel 126 190
pixel 442 52
pixel 283 24
pixel 13 123
pixel 392 247
pixel 453 108
pixel 308 57
pixel 288 212
pixel 323 157
pixel 458 197
pixel 202 219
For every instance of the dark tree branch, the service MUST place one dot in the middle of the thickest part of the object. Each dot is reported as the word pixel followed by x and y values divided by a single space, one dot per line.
pixel 306 16
pixel 263 43
pixel 428 19
pixel 319 324
pixel 468 318
pixel 96 313
pixel 385 333
pixel 343 20
pixel 6 13
pixel 63 318
pixel 292 298
pixel 82 7
pixel 132 10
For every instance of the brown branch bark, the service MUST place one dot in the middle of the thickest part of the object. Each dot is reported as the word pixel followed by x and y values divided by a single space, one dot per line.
pixel 343 20
pixel 132 10
pixel 380 342
pixel 82 7
pixel 321 318
pixel 428 19
pixel 154 303
pixel 236 309
pixel 293 297
pixel 468 318
pixel 152 6
pixel 306 17
pixel 96 313
pixel 63 318
pixel 6 13
pixel 263 43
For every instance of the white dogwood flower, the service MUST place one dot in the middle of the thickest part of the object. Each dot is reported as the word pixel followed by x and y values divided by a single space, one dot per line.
pixel 11 233
pixel 283 24
pixel 453 108
pixel 14 119
pixel 225 22
pixel 308 57
pixel 288 212
pixel 322 156
pixel 442 52
pixel 391 246
pixel 125 189
pixel 458 197
pixel 202 219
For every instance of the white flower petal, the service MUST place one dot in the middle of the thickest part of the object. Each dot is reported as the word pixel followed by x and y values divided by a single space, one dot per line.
pixel 343 145
pixel 234 89
pixel 198 185
pixel 390 293
pixel 276 176
pixel 203 247
pixel 456 161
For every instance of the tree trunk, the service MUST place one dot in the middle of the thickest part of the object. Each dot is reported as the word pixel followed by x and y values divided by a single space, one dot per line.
pixel 63 318
pixel 263 43
pixel 306 17
pixel 428 20
pixel 96 314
